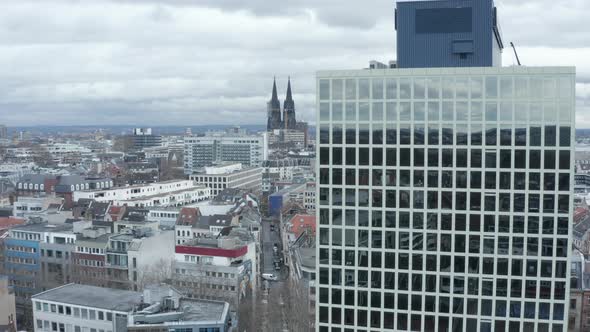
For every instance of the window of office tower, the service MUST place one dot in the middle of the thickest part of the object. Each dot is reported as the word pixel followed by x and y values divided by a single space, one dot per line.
pixel 444 199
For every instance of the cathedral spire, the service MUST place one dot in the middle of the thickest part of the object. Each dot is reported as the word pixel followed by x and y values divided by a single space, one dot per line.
pixel 274 109
pixel 289 121
pixel 289 95
pixel 275 96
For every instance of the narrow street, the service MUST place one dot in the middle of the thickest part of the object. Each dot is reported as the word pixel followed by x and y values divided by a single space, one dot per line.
pixel 274 299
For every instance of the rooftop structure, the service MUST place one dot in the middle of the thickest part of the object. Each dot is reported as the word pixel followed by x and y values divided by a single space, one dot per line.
pixel 94 308
pixel 448 33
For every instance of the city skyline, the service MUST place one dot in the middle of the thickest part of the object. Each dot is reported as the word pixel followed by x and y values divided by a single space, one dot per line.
pixel 80 68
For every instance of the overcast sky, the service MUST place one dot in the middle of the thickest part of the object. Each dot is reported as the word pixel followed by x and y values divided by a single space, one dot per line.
pixel 194 62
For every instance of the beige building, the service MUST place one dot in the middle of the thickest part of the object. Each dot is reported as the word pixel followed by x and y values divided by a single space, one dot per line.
pixel 7 307
pixel 579 311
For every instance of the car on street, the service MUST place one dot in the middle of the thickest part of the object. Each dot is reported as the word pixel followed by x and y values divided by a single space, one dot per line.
pixel 269 277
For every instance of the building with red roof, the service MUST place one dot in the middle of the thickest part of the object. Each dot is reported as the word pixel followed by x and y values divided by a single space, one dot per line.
pixel 301 222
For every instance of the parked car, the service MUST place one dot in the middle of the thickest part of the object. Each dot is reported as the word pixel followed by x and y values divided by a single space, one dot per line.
pixel 269 277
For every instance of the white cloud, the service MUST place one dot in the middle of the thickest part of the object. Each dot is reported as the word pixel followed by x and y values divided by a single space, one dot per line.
pixel 174 62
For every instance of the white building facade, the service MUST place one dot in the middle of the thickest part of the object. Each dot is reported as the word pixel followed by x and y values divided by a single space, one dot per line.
pixel 170 193
pixel 444 199
pixel 81 308
pixel 229 176
pixel 250 150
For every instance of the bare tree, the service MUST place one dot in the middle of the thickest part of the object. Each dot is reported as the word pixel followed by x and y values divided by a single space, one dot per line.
pixel 156 273
pixel 122 143
pixel 41 156
pixel 298 314
pixel 250 313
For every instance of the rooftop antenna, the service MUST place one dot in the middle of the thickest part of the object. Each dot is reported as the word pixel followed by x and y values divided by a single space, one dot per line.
pixel 516 54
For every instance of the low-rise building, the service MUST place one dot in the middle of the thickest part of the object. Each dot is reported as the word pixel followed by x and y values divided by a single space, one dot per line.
pixel 7 306
pixel 172 312
pixel 231 175
pixel 89 258
pixel 192 224
pixel 150 259
pixel 37 256
pixel 29 206
pixel 161 194
pixel 299 238
pixel 579 308
pixel 60 185
pixel 217 268
pixel 78 308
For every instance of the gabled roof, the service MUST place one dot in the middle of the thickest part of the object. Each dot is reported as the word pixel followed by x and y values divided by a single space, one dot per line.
pixel 7 222
pixel 188 216
pixel 115 209
pixel 216 220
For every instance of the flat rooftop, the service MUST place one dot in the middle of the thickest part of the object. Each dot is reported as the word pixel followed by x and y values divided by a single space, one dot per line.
pixel 307 257
pixel 136 186
pixel 91 296
pixel 44 227
pixel 142 198
pixel 448 71
pixel 201 310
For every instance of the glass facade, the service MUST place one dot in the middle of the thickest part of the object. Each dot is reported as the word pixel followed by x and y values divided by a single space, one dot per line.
pixel 444 199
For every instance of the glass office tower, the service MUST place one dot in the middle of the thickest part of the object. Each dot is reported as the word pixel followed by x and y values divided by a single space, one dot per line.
pixel 444 199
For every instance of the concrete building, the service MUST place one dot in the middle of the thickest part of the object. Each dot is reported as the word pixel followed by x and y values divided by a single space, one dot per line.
pixel 292 194
pixel 222 268
pixel 582 184
pixel 144 138
pixel 310 199
pixel 37 256
pixel 25 207
pixel 162 194
pixel 201 151
pixel 7 306
pixel 150 259
pixel 288 137
pixel 89 258
pixel 172 312
pixel 77 308
pixel 218 178
pixel 12 172
pixel 279 171
pixel 579 310
pixel 60 185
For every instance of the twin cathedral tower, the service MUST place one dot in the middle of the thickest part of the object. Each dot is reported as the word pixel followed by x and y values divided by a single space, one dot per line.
pixel 286 120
